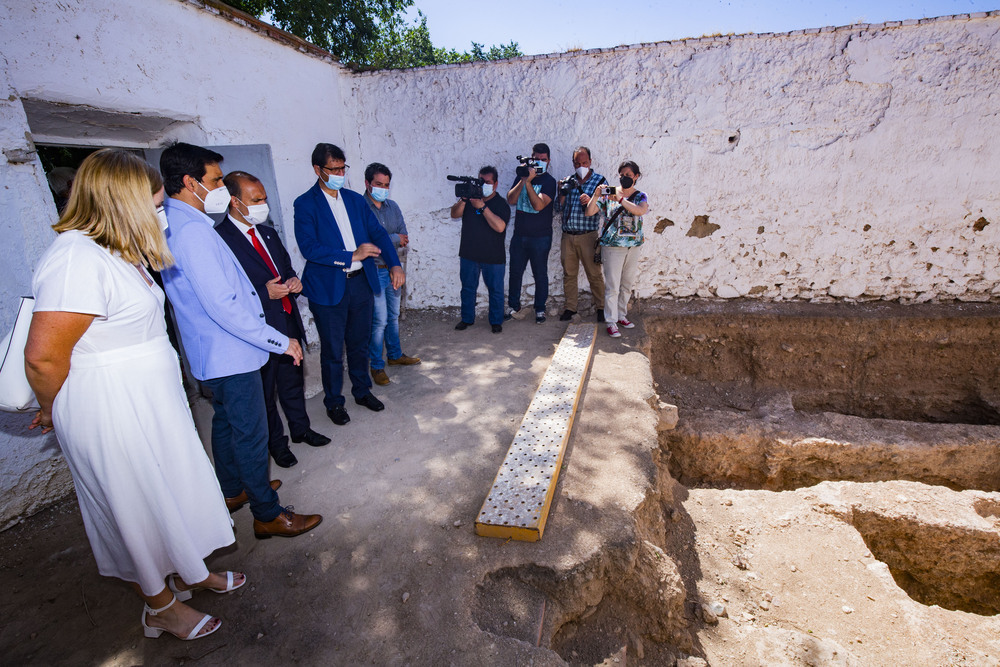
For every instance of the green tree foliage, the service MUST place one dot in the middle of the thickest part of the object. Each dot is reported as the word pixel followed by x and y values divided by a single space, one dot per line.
pixel 368 34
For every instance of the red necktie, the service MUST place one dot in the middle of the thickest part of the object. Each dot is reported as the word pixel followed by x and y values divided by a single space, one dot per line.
pixel 285 301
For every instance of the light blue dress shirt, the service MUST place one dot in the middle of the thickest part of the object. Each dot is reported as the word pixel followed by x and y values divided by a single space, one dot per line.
pixel 216 307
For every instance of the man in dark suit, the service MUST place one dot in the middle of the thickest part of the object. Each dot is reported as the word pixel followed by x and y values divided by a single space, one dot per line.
pixel 268 266
pixel 339 235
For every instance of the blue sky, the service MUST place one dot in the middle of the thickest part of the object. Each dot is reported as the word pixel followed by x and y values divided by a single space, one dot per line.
pixel 548 26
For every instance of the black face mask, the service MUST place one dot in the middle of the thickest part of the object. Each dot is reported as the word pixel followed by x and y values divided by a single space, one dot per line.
pixel 627 182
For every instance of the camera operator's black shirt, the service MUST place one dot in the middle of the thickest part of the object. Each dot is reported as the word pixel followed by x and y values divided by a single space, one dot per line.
pixel 535 223
pixel 480 242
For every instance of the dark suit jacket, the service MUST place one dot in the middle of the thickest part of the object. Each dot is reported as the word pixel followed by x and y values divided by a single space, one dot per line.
pixel 258 273
pixel 319 239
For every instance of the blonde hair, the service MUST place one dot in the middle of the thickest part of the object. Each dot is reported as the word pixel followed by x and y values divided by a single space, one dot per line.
pixel 111 202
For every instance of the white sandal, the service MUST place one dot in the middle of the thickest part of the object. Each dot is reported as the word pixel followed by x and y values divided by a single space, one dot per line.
pixel 185 595
pixel 156 632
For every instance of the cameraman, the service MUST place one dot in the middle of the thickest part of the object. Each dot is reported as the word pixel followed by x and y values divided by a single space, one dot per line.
pixel 532 194
pixel 481 249
pixel 579 234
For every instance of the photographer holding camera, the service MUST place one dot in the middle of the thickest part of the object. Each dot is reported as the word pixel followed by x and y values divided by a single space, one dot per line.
pixel 579 234
pixel 620 240
pixel 481 250
pixel 532 195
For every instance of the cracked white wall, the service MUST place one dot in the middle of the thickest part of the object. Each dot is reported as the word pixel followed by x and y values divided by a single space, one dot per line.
pixel 852 163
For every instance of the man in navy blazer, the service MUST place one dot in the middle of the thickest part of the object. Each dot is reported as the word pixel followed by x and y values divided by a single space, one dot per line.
pixel 268 266
pixel 338 235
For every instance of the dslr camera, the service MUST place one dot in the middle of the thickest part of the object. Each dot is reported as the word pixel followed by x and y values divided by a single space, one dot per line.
pixel 568 184
pixel 526 163
pixel 468 187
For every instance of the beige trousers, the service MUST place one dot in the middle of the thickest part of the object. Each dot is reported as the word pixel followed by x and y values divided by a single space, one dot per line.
pixel 620 268
pixel 577 249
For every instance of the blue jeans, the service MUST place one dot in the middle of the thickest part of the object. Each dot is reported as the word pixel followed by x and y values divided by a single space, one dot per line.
pixel 239 441
pixel 348 324
pixel 533 249
pixel 493 279
pixel 385 323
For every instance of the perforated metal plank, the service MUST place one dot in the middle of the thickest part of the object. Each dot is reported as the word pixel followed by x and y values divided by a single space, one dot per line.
pixel 518 502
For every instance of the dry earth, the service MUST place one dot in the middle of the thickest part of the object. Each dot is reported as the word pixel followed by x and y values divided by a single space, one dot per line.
pixel 809 572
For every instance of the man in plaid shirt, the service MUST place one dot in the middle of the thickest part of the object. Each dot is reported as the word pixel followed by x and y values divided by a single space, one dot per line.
pixel 579 236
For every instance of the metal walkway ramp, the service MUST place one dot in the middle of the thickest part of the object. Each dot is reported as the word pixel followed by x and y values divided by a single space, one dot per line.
pixel 518 503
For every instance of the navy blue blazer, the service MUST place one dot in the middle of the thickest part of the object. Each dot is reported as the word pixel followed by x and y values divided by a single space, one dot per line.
pixel 258 273
pixel 324 278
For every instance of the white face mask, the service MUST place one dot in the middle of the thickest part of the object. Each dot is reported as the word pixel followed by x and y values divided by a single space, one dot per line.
pixel 487 189
pixel 256 214
pixel 161 213
pixel 582 172
pixel 216 201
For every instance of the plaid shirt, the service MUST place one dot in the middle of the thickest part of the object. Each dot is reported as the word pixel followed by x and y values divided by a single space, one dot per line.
pixel 573 219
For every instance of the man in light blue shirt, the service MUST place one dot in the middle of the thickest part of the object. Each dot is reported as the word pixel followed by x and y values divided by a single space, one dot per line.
pixel 224 336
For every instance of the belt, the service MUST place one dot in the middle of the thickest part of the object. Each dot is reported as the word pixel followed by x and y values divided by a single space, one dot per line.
pixel 589 231
pixel 353 274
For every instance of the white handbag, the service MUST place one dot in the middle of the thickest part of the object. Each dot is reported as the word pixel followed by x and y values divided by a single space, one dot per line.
pixel 15 392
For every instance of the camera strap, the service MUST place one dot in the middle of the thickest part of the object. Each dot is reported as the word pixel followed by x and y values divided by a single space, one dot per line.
pixel 609 221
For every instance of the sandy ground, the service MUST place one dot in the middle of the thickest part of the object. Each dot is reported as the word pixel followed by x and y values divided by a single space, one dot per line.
pixel 396 576
pixel 391 575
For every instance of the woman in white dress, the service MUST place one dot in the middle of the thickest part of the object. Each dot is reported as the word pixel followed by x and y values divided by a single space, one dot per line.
pixel 109 383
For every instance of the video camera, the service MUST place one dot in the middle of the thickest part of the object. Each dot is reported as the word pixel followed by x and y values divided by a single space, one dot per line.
pixel 568 184
pixel 526 164
pixel 468 187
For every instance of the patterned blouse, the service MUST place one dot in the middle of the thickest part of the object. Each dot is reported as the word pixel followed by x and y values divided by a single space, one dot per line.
pixel 626 230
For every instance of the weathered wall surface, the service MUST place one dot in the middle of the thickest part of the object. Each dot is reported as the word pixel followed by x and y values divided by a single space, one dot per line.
pixel 851 163
pixel 844 163
pixel 122 73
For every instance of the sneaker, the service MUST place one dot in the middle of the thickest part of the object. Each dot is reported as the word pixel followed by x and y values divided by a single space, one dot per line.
pixel 462 326
pixel 540 318
pixel 507 316
pixel 613 331
pixel 625 324
pixel 567 315
pixel 521 313
pixel 496 328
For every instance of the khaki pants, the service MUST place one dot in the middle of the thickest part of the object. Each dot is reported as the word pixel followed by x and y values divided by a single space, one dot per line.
pixel 620 268
pixel 577 249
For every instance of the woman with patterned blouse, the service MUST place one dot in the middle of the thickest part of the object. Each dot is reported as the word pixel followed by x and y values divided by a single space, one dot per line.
pixel 620 241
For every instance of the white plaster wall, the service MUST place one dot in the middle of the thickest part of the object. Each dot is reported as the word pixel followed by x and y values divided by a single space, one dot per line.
pixel 849 163
pixel 221 82
pixel 842 163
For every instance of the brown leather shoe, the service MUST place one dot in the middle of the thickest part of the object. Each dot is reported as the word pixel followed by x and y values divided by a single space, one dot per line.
pixel 404 361
pixel 286 524
pixel 233 504
pixel 380 377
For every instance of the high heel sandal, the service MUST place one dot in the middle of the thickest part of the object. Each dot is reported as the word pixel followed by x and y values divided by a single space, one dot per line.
pixel 185 595
pixel 156 632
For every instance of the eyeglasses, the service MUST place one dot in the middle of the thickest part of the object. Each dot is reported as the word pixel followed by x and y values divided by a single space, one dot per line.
pixel 337 171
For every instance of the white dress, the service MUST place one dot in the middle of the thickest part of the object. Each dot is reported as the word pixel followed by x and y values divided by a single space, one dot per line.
pixel 149 497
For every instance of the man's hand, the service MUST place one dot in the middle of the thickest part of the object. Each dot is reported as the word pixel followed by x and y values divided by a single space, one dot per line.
pixel 294 285
pixel 397 277
pixel 404 240
pixel 477 203
pixel 531 175
pixel 364 251
pixel 275 290
pixel 294 351
pixel 584 199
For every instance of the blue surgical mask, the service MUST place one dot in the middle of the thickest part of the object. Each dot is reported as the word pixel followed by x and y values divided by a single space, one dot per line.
pixel 380 194
pixel 487 189
pixel 335 182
